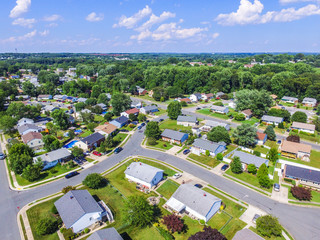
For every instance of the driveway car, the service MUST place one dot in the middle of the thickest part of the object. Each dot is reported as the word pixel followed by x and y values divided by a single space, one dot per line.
pixel 254 219
pixel 97 153
pixel 118 149
pixel 276 187
pixel 72 174
pixel 139 127
pixel 161 119
pixel 198 108
pixel 224 167
pixel 177 175
pixel 143 124
pixel 185 152
pixel 198 185
pixel 2 156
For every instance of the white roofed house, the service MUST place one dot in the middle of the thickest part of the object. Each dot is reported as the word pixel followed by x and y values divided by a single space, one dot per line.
pixel 195 97
pixel 271 120
pixel 290 99
pixel 24 121
pixel 194 201
pixel 144 174
pixel 187 121
pixel 200 146
pixel 105 234
pixel 309 102
pixel 136 104
pixel 209 124
pixel 149 109
pixel 304 127
pixel 219 109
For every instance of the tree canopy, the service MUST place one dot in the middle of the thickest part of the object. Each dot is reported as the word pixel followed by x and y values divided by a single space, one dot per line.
pixel 245 135
pixel 174 110
pixel 219 134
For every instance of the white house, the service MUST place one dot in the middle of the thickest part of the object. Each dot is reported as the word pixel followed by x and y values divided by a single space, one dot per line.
pixel 289 99
pixel 195 201
pixel 33 140
pixel 26 128
pixel 271 120
pixel 309 102
pixel 200 146
pixel 144 174
pixel 304 127
pixel 78 210
pixel 187 121
pixel 195 97
pixel 133 111
pixel 219 109
pixel 209 124
pixel 24 121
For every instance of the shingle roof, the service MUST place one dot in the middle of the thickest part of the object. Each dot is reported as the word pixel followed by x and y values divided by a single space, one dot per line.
pixel 55 155
pixel 22 120
pixel 294 147
pixel 168 133
pixel 121 119
pixel 74 204
pixel 132 111
pixel 246 234
pixel 303 126
pixel 191 119
pixel 247 112
pixel 105 234
pixel 195 198
pixel 27 126
pixel 286 98
pixel 150 108
pixel 107 128
pixel 31 136
pixel 213 124
pixel 261 136
pixel 207 145
pixel 250 159
pixel 218 108
pixel 268 118
pixel 303 173
pixel 198 95
pixel 142 171
pixel 309 100
pixel 93 138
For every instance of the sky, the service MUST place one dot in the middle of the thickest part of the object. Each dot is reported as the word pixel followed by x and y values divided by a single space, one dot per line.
pixel 181 26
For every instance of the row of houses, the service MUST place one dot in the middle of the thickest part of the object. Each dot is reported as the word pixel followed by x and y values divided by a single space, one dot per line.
pixel 308 102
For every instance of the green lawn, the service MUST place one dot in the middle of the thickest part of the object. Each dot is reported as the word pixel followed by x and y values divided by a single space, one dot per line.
pixel 230 148
pixel 210 161
pixel 314 159
pixel 271 144
pixel 86 133
pixel 98 118
pixel 120 137
pixel 251 121
pixel 167 171
pixel 161 144
pixel 315 196
pixel 315 138
pixel 207 111
pixel 261 149
pixel 248 178
pixel 168 188
pixel 172 124
pixel 55 171
pixel 160 112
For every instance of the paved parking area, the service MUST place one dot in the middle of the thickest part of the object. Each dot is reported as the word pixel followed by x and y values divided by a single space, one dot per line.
pixel 281 196
pixel 248 215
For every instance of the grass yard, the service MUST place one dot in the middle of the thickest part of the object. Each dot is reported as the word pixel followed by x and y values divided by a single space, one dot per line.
pixel 168 188
pixel 210 161
pixel 314 159
pixel 230 148
pixel 55 171
pixel 172 124
pixel 206 111
pixel 251 121
pixel 315 196
pixel 167 171
pixel 268 238
pixel 98 118
pixel 160 112
pixel 315 138
pixel 86 133
pixel 248 178
pixel 120 137
pixel 271 144
pixel 261 149
pixel 160 144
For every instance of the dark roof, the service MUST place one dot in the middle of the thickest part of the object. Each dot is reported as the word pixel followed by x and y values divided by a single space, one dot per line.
pixel 207 145
pixel 168 133
pixel 150 108
pixel 27 126
pixel 121 119
pixel 105 234
pixel 198 95
pixel 191 119
pixel 74 204
pixel 95 137
pixel 303 173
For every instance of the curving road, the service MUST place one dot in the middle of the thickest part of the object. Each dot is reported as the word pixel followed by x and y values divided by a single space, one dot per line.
pixel 301 222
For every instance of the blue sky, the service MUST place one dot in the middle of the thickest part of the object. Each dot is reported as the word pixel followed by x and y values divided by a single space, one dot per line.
pixel 160 26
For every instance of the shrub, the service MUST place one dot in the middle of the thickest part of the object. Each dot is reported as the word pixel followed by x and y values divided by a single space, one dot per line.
pixel 257 153
pixel 252 169
pixel 54 210
pixel 293 138
pixel 94 181
pixel 173 223
pixel 165 234
pixel 236 166
pixel 86 230
pixel 67 189
pixel 207 153
pixel 152 141
pixel 301 193
pixel 220 156
pixel 269 225
pixel 240 117
pixel 265 181
pixel 47 226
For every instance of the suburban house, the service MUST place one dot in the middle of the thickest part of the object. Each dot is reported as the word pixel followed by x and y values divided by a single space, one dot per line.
pixel 194 201
pixel 309 102
pixel 290 99
pixel 295 150
pixel 219 94
pixel 102 105
pixel 209 124
pixel 187 120
pixel 200 146
pixel 274 97
pixel 305 176
pixel 90 142
pixel 247 159
pixel 246 234
pixel 144 174
pixel 172 136
pixel 207 96
pixel 219 109
pixel 81 100
pixel 79 210
pixel 24 121
pixel 271 120
pixel 44 97
pixel 49 108
pixel 26 128
pixel 247 113
pixel 33 140
pixel 142 91
pixel 134 111
pixel 106 129
pixel 195 97
pixel 261 138
pixel 52 158
pixel 186 100
pixel 136 104
pixel 304 127
pixel 60 97
pixel 105 234
pixel 149 109
pixel 120 121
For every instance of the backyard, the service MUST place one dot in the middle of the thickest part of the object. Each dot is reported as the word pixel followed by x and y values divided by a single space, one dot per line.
pixel 160 112
pixel 314 159
pixel 172 124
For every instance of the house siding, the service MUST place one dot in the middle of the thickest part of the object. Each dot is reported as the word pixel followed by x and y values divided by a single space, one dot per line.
pixel 186 124
pixel 157 178
pixel 35 144
pixel 215 208
pixel 85 221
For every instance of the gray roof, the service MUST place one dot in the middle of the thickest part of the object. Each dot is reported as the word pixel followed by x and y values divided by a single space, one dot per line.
pixel 309 100
pixel 102 105
pixel 207 145
pixel 22 120
pixel 121 120
pixel 82 99
pixel 250 159
pixel 50 108
pixel 93 138
pixel 268 118
pixel 85 110
pixel 198 95
pixel 27 126
pixel 142 171
pixel 168 133
pixel 246 234
pixel 55 155
pixel 213 124
pixel 150 108
pixel 303 173
pixel 286 98
pixel 195 198
pixel 105 234
pixel 191 119
pixel 74 204
pixel 218 108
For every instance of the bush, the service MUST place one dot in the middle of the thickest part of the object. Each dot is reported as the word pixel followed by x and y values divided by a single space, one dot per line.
pixel 269 225
pixel 293 138
pixel 220 156
pixel 67 189
pixel 165 234
pixel 257 153
pixel 265 181
pixel 240 117
pixel 86 230
pixel 152 141
pixel 236 166
pixel 54 210
pixel 47 226
pixel 301 193
pixel 94 181
pixel 173 223
pixel 252 169
pixel 207 153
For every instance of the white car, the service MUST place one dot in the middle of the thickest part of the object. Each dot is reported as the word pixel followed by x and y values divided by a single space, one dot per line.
pixel 177 175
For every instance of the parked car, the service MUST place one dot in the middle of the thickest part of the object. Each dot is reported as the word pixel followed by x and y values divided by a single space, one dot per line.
pixel 143 124
pixel 185 152
pixel 276 187
pixel 118 149
pixel 224 167
pixel 254 219
pixel 177 175
pixel 161 119
pixel 147 121
pixel 2 156
pixel 198 108
pixel 124 130
pixel 139 127
pixel 97 153
pixel 279 142
pixel 72 174
pixel 198 185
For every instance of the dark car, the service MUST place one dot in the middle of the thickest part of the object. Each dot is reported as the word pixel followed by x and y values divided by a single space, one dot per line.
pixel 198 108
pixel 2 156
pixel 117 150
pixel 161 119
pixel 185 152
pixel 72 174
pixel 124 130
pixel 139 127
pixel 198 185
pixel 147 121
pixel 224 167
pixel 143 124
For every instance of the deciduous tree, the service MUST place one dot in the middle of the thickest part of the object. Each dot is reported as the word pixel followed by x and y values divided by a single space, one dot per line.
pixel 219 134
pixel 245 135
pixel 236 166
pixel 174 110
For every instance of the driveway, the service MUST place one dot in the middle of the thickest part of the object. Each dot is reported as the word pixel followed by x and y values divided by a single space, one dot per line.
pixel 281 196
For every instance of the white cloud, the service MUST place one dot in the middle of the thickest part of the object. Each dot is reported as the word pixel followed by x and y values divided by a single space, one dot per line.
pixel 295 1
pixel 52 25
pixel 130 22
pixel 215 35
pixel 52 18
pixel 44 33
pixel 21 7
pixel 24 22
pixel 25 37
pixel 250 13
pixel 93 17
pixel 155 20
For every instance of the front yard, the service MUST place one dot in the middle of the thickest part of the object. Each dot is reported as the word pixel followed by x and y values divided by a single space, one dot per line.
pixel 160 144
pixel 172 124
pixel 251 121
pixel 210 161
pixel 160 112
pixel 206 111
pixel 314 159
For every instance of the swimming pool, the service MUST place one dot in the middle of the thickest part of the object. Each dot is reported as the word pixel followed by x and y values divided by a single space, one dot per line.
pixel 70 144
